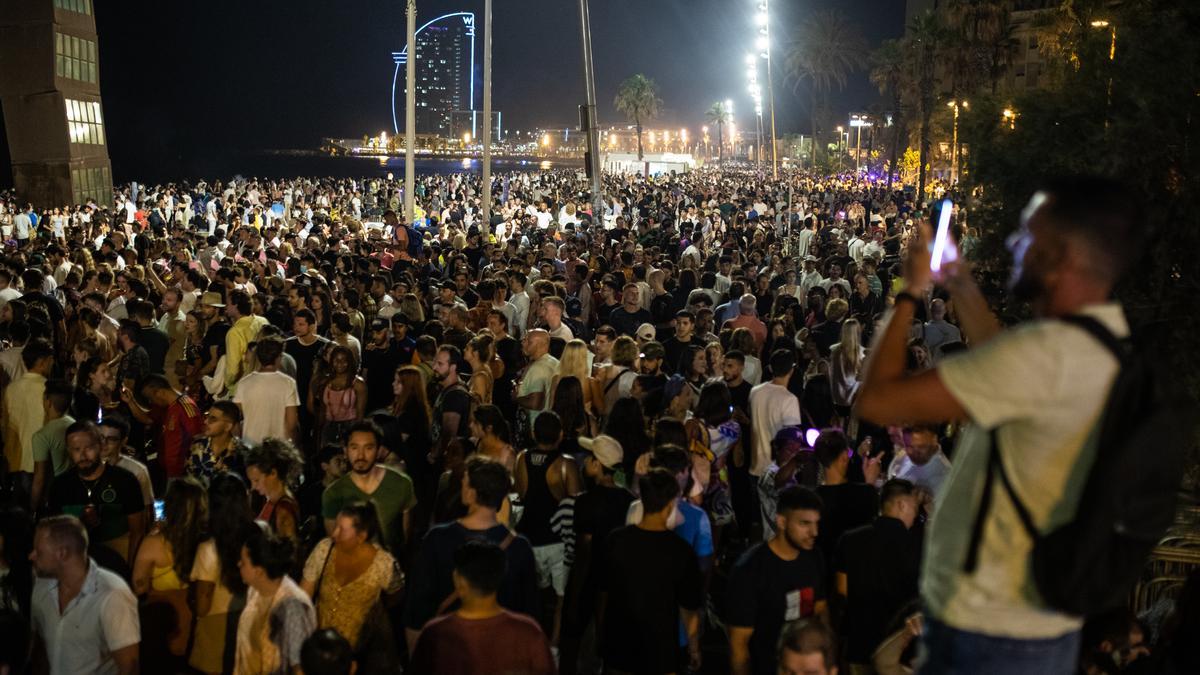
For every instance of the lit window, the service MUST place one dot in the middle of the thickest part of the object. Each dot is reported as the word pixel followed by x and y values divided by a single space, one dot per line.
pixel 85 122
pixel 75 58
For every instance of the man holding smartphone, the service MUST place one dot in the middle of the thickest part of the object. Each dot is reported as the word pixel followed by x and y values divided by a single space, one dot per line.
pixel 1040 387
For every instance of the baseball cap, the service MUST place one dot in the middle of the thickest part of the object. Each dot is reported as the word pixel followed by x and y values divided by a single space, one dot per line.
pixel 212 299
pixel 606 449
pixel 810 258
pixel 653 350
pixel 646 332
pixel 380 324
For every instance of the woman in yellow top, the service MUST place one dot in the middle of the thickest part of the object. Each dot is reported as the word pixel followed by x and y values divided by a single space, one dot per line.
pixel 347 575
pixel 160 573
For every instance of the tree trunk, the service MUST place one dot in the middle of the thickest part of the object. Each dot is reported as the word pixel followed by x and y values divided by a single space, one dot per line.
pixel 813 122
pixel 895 145
pixel 720 143
pixel 924 153
pixel 638 124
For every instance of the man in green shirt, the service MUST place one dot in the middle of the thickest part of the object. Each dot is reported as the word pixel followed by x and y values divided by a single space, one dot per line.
pixel 390 491
pixel 50 457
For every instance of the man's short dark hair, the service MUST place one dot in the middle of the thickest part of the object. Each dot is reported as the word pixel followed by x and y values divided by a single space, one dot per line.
pixel 547 428
pixel 797 498
pixel 326 652
pixel 59 393
pixel 736 356
pixel 36 350
pixel 309 316
pixel 658 489
pixel 481 564
pixel 808 636
pixel 455 354
pixel 154 382
pixel 499 317
pixel 831 444
pixel 489 479
pixel 116 421
pixel 365 426
pixel 1102 212
pixel 268 350
pixel 782 362
pixel 895 489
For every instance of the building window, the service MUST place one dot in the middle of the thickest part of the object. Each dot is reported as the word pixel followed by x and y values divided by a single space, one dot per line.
pixel 90 184
pixel 85 122
pixel 78 6
pixel 75 58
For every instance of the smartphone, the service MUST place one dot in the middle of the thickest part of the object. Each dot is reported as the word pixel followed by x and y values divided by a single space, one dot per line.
pixel 944 248
pixel 159 510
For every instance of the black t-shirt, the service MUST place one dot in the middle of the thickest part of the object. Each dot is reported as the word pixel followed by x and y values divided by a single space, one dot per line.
pixel 674 349
pixel 766 591
pixel 305 357
pixel 598 512
pixel 112 497
pixel 881 562
pixel 454 399
pixel 157 344
pixel 741 396
pixel 381 365
pixel 846 507
pixel 430 581
pixel 215 337
pixel 649 577
pixel 625 322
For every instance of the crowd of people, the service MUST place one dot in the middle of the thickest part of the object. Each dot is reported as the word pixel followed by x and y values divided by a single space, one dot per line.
pixel 267 426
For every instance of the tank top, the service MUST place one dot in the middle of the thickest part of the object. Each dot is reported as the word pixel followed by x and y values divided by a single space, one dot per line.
pixel 340 404
pixel 540 505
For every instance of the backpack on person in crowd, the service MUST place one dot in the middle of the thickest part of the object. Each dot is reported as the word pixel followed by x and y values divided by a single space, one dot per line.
pixel 1129 498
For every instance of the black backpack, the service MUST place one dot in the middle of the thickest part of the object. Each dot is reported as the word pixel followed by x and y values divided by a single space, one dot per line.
pixel 1092 562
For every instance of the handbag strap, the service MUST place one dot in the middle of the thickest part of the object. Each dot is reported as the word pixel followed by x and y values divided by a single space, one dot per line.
pixel 317 589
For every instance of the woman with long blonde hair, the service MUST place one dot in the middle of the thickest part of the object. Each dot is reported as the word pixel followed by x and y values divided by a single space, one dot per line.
pixel 574 363
pixel 846 359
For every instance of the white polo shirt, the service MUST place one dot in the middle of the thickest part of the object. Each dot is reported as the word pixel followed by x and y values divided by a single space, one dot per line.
pixel 102 619
pixel 1043 385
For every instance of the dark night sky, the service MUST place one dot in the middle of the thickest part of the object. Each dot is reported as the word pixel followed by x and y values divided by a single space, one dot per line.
pixel 187 83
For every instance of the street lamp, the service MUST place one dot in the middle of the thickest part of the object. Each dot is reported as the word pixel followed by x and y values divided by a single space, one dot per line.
pixel 1009 117
pixel 762 19
pixel 956 105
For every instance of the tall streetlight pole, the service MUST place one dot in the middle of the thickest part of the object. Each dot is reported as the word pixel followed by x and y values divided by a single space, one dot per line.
pixel 766 9
pixel 487 117
pixel 954 142
pixel 410 117
pixel 592 128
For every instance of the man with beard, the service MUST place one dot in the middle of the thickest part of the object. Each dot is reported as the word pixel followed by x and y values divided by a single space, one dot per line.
pixel 1035 392
pixel 390 491
pixel 775 582
pixel 99 632
pixel 107 499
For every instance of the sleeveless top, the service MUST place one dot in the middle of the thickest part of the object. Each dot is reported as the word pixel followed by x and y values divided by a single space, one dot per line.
pixel 340 404
pixel 165 578
pixel 540 505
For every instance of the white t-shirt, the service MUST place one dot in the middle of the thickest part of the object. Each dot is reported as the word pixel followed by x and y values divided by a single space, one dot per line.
pixel 142 474
pixel 264 398
pixel 931 474
pixel 1043 386
pixel 207 567
pixel 772 408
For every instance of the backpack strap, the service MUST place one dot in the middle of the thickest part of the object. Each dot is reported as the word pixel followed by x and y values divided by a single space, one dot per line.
pixel 995 466
pixel 1102 334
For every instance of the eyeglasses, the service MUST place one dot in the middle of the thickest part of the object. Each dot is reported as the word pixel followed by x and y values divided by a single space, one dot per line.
pixel 111 438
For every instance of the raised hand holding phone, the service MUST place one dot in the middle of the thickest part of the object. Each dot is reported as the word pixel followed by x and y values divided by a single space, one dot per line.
pixel 944 249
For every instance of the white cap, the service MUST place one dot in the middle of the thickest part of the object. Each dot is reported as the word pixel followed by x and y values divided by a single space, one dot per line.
pixel 606 449
pixel 646 332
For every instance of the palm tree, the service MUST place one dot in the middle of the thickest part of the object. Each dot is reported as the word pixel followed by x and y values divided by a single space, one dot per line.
pixel 638 99
pixel 922 45
pixel 887 74
pixel 826 50
pixel 718 115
